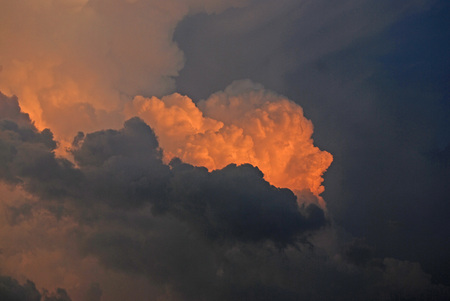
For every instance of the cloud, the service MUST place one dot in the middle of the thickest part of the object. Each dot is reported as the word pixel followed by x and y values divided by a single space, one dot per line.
pixel 271 42
pixel 12 290
pixel 94 293
pixel 118 173
pixel 371 77
pixel 127 165
pixel 124 168
pixel 59 295
pixel 223 234
pixel 242 124
pixel 120 218
pixel 87 58
pixel 18 136
pixel 27 153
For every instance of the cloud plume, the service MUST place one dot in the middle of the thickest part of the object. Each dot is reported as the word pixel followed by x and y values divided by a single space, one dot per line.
pixel 225 234
pixel 124 169
pixel 242 124
pixel 113 187
pixel 120 172
pixel 88 57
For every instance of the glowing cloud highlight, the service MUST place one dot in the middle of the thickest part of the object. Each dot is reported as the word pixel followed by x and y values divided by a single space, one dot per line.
pixel 87 58
pixel 242 124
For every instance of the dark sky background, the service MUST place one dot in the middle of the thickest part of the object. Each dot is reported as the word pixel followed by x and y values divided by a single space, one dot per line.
pixel 111 220
pixel 374 78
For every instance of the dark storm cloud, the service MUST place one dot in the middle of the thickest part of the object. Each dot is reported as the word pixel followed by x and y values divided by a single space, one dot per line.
pixel 16 214
pixel 26 153
pixel 59 295
pixel 94 293
pixel 372 76
pixel 267 41
pixel 236 203
pixel 136 140
pixel 221 235
pixel 172 255
pixel 123 169
pixel 173 223
pixel 17 125
pixel 12 290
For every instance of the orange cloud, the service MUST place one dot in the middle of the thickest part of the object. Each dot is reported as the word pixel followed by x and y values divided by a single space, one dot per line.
pixel 74 63
pixel 242 124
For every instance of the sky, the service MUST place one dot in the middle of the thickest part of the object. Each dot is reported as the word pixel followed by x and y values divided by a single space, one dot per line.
pixel 224 150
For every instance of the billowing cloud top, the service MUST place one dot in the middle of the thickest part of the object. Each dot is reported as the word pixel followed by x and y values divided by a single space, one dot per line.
pixel 225 234
pixel 88 57
pixel 119 178
pixel 242 124
pixel 124 169
pixel 140 193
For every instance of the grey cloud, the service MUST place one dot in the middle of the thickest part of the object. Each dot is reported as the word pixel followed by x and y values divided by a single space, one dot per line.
pixel 358 253
pixel 236 203
pixel 12 290
pixel 59 295
pixel 189 230
pixel 226 234
pixel 9 109
pixel 28 153
pixel 222 235
pixel 123 168
pixel 16 214
pixel 94 293
pixel 268 41
pixel 172 223
pixel 17 125
pixel 136 140
pixel 172 255
pixel 371 75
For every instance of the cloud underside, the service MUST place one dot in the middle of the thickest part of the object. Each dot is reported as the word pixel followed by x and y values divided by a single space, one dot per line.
pixel 223 234
pixel 216 196
pixel 120 180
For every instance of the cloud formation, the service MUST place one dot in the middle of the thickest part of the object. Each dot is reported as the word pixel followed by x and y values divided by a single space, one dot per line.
pixel 130 214
pixel 124 169
pixel 12 290
pixel 120 172
pixel 87 58
pixel 372 76
pixel 242 124
pixel 194 234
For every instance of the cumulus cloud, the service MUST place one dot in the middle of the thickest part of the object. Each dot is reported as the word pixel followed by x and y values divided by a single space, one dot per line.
pixel 86 58
pixel 372 78
pixel 124 168
pixel 133 215
pixel 191 233
pixel 120 172
pixel 242 124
